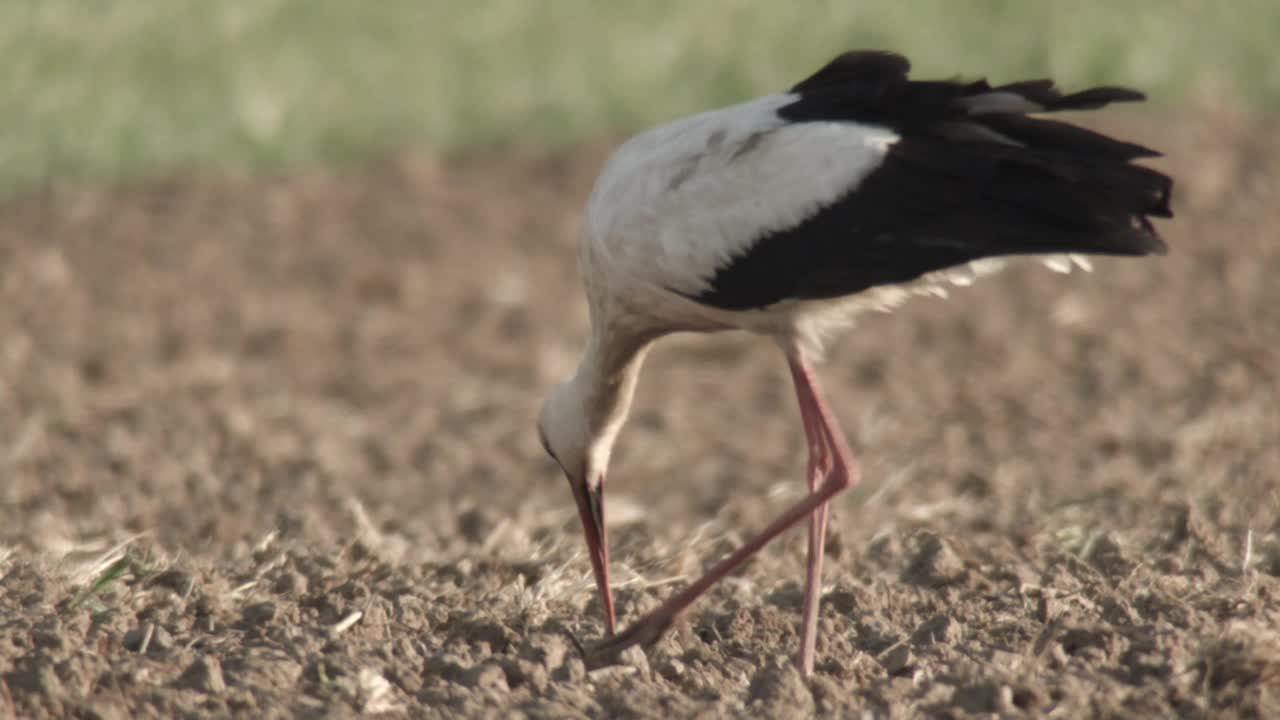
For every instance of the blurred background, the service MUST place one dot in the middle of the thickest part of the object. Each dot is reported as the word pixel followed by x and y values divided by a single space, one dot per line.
pixel 125 89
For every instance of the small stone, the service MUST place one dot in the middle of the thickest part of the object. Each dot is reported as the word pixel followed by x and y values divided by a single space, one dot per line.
pixel 175 580
pixel 259 614
pixel 896 659
pixel 549 649
pixel 290 583
pixel 476 526
pixel 1075 641
pixel 937 629
pixel 1267 555
pixel 672 669
pixel 205 675
pixel 51 638
pixel 934 563
pixel 779 691
pixel 161 640
pixel 448 666
pixel 133 639
pixel 526 672
pixel 487 676
pixel 35 675
pixel 1103 553
pixel 1175 519
pixel 634 657
pixel 573 670
pixel 832 698
pixel 983 698
pixel 148 638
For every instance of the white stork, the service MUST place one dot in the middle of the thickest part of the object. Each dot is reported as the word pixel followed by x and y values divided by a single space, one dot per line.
pixel 785 215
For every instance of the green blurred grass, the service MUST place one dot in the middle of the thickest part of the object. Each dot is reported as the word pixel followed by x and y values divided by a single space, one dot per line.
pixel 109 90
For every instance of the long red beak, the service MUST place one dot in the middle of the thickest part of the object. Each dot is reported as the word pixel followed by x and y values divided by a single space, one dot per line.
pixel 591 512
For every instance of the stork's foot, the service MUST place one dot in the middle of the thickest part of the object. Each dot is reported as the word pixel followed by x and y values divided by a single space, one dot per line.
pixel 643 633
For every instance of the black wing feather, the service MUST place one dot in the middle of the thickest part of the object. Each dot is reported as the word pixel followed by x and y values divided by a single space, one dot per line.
pixel 1037 186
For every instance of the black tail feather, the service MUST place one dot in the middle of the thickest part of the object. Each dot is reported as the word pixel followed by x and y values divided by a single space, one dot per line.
pixel 866 68
pixel 977 171
pixel 1045 93
pixel 1097 97
pixel 1065 137
pixel 998 136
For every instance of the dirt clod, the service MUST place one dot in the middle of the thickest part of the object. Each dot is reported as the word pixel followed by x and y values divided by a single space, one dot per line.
pixel 778 690
pixel 259 614
pixel 933 562
pixel 896 660
pixel 205 675
pixel 937 629
pixel 486 676
pixel 986 697
pixel 635 657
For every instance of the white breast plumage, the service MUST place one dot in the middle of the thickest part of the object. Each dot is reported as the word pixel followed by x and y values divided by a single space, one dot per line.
pixel 676 203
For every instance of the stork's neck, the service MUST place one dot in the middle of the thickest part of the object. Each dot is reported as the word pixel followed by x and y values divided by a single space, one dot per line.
pixel 604 385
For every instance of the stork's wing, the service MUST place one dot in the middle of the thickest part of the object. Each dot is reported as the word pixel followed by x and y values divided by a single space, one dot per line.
pixel 872 179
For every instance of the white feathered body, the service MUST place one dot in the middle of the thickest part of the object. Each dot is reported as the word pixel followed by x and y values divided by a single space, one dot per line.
pixel 855 190
pixel 678 202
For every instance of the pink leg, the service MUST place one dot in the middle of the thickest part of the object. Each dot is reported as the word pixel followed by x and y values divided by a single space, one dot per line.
pixel 823 434
pixel 821 462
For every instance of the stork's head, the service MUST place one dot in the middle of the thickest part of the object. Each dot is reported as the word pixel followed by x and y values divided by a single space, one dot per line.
pixel 564 428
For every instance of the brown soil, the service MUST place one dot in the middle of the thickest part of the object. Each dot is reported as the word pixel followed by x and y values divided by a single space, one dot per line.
pixel 267 448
